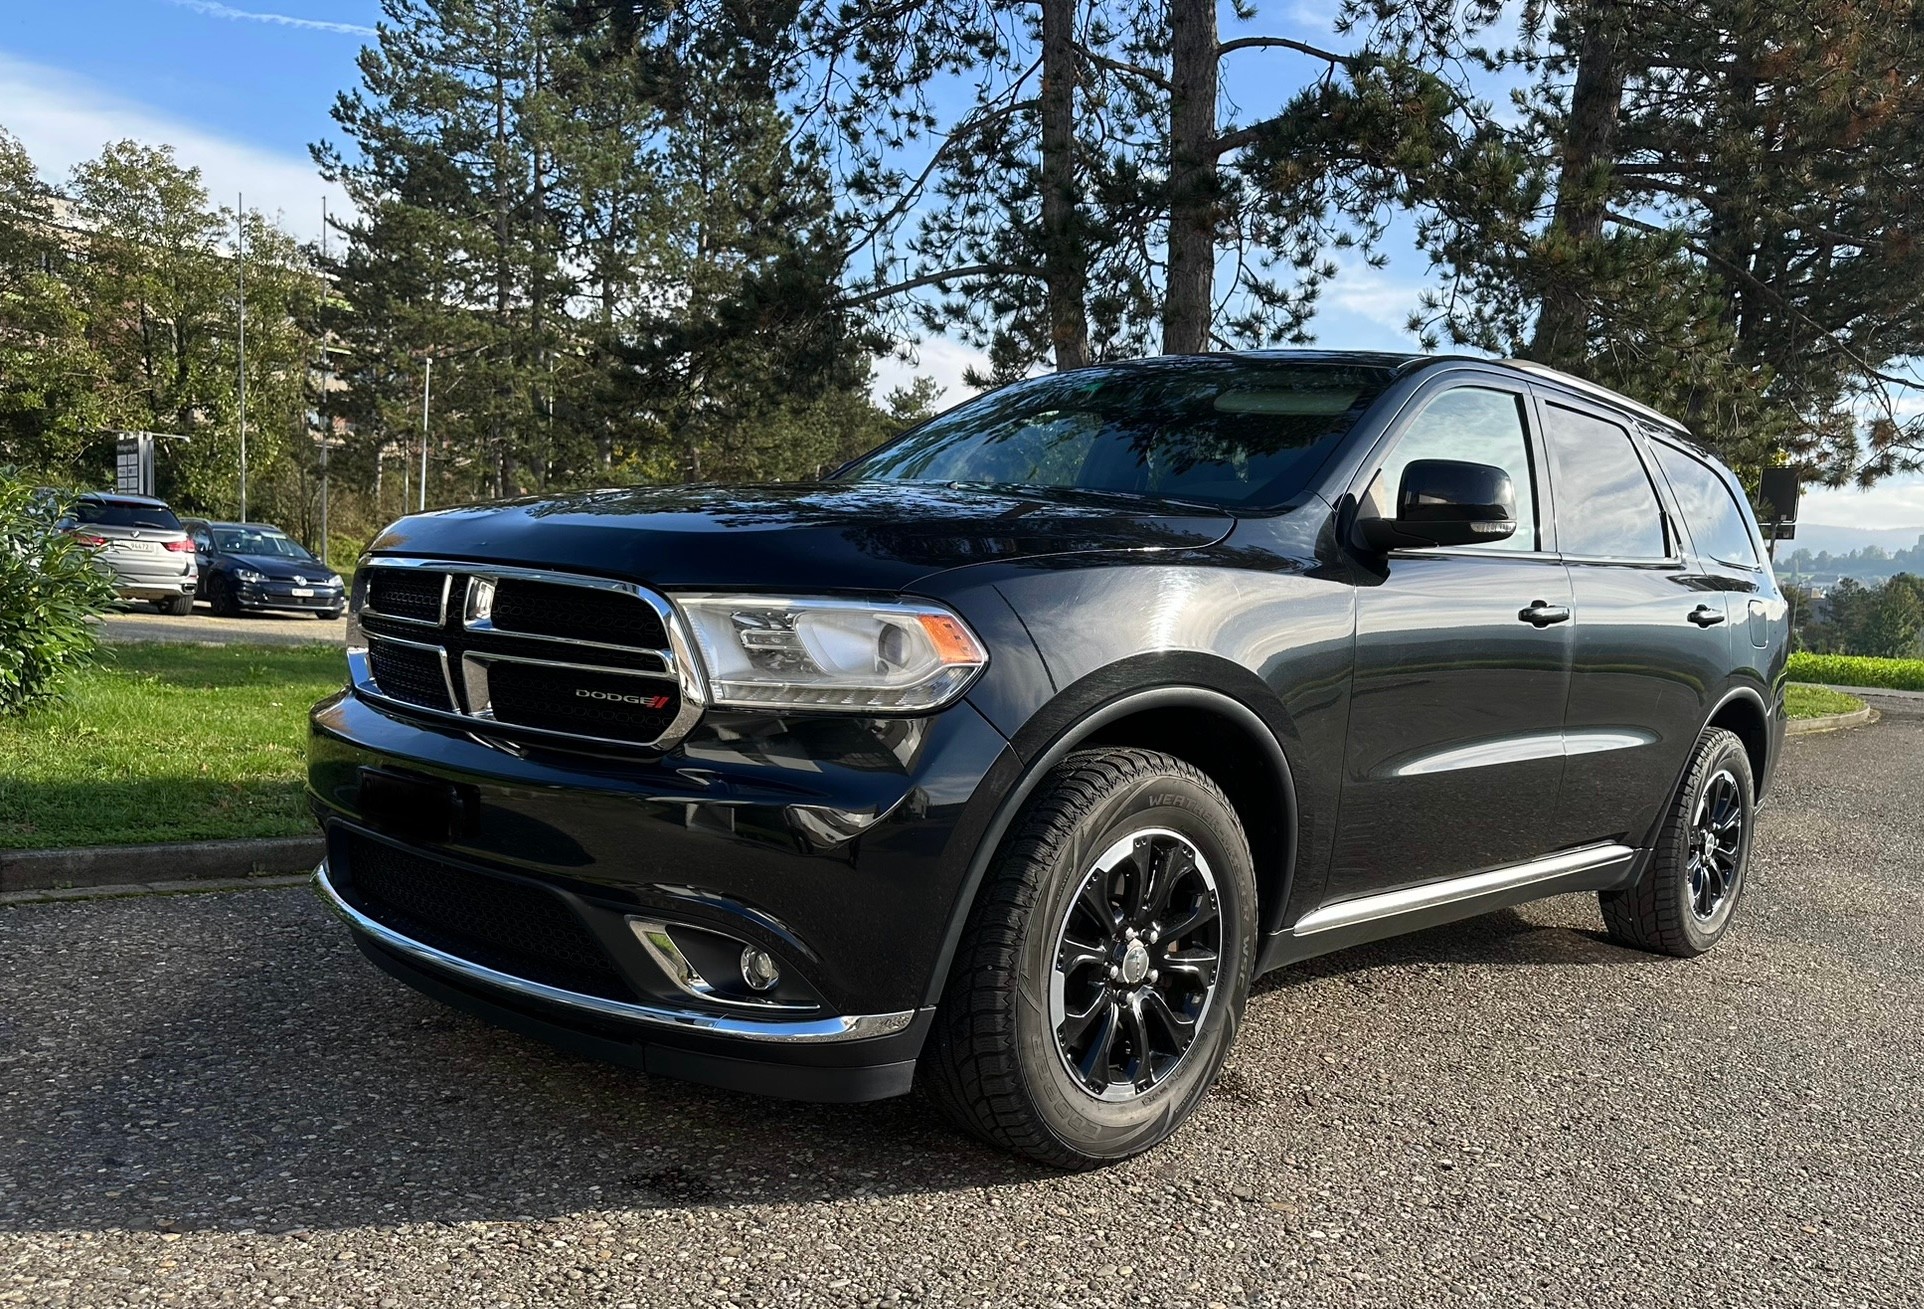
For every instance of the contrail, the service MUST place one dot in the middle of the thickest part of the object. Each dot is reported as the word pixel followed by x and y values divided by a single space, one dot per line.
pixel 215 10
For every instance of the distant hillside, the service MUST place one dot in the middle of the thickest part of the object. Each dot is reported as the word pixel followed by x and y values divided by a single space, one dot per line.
pixel 1843 540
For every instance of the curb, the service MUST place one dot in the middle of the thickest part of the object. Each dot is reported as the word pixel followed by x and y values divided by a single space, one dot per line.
pixel 165 866
pixel 1830 722
pixel 119 890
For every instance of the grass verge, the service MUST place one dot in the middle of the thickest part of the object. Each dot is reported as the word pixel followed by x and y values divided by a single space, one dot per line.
pixel 165 743
pixel 1858 670
pixel 1801 701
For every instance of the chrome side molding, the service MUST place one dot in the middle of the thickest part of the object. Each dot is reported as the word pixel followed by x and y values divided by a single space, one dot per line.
pixel 845 1027
pixel 1498 882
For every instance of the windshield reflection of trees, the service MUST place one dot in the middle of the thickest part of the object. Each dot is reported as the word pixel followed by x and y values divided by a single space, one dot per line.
pixel 1230 432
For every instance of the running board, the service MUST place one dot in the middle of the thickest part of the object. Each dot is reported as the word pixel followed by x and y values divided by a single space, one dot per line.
pixel 1412 908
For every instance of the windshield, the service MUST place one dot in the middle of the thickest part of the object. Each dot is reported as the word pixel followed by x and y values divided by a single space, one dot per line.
pixel 125 513
pixel 238 541
pixel 1231 432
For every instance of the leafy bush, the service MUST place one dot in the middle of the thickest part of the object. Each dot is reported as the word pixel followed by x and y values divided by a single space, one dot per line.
pixel 1858 670
pixel 49 589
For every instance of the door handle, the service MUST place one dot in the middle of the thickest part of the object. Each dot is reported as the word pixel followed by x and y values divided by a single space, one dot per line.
pixel 1541 613
pixel 1705 616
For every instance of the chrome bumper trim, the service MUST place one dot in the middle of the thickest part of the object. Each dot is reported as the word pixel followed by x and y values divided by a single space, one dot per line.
pixel 847 1027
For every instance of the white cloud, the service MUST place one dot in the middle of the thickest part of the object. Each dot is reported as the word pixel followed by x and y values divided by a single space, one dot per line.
pixel 1898 502
pixel 63 119
pixel 213 10
pixel 936 357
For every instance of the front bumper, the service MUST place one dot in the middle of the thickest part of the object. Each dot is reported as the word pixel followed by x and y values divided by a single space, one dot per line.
pixel 280 595
pixel 844 860
pixel 789 1058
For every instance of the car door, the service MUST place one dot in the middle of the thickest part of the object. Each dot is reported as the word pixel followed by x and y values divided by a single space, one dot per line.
pixel 1651 631
pixel 1724 547
pixel 1454 759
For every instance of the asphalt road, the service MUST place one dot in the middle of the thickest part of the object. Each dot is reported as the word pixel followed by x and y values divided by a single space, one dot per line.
pixel 143 623
pixel 210 1099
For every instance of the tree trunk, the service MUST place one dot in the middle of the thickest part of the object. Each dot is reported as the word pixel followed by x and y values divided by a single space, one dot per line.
pixel 1064 260
pixel 1583 184
pixel 1189 296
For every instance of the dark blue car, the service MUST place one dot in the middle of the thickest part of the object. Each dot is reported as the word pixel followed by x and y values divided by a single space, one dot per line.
pixel 255 566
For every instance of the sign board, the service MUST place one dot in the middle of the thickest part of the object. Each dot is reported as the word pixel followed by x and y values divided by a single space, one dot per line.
pixel 1777 503
pixel 134 463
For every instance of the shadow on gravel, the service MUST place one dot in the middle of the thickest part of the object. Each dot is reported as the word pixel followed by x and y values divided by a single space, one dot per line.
pixel 230 1062
pixel 245 1069
pixel 1503 939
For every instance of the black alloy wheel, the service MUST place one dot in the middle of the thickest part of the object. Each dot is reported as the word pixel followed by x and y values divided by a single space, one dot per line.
pixel 1136 963
pixel 220 596
pixel 1683 902
pixel 1716 841
pixel 1101 975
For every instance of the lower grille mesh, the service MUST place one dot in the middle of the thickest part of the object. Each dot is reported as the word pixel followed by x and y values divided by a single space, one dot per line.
pixel 406 673
pixel 505 925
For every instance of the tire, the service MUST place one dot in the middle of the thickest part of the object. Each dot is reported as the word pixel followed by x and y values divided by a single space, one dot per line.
pixel 1684 903
pixel 179 606
pixel 997 1061
pixel 329 615
pixel 220 598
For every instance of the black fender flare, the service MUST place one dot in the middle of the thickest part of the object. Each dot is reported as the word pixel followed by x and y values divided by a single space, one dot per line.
pixel 1086 725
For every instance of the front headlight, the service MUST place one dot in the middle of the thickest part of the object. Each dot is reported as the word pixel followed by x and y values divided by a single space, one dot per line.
pixel 249 575
pixel 767 653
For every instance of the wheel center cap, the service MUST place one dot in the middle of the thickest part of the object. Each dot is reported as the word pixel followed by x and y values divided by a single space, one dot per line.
pixel 1135 963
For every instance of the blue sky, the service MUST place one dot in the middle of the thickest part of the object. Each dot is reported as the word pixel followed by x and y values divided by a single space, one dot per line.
pixel 241 89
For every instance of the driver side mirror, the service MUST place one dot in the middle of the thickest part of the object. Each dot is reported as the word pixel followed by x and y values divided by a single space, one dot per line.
pixel 1442 502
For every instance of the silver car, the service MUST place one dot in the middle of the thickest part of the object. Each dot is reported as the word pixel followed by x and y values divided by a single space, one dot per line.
pixel 139 543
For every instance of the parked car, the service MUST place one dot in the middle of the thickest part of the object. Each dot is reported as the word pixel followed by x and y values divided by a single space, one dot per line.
pixel 139 543
pixel 1007 756
pixel 248 567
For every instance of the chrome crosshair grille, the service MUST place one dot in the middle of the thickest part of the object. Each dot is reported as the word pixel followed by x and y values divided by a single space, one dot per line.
pixel 513 651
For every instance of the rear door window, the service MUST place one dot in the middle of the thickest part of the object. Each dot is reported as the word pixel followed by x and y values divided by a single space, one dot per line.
pixel 1606 505
pixel 1718 525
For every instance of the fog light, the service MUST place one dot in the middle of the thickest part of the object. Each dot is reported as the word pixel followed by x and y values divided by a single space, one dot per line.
pixel 759 969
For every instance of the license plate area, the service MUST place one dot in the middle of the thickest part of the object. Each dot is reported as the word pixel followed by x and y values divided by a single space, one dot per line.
pixel 414 807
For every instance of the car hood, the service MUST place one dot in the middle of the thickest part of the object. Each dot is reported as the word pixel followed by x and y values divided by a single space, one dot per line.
pixel 822 536
pixel 280 567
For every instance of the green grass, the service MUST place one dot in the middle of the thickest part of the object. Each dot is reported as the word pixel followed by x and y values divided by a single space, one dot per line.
pixel 1858 670
pixel 166 743
pixel 1802 701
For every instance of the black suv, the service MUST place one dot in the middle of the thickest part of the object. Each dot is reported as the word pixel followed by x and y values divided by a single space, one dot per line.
pixel 1005 757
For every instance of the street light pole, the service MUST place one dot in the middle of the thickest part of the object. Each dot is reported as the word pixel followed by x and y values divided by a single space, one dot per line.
pixel 327 375
pixel 240 270
pixel 427 383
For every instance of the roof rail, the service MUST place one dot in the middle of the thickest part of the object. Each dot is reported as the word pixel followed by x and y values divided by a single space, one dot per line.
pixel 1637 407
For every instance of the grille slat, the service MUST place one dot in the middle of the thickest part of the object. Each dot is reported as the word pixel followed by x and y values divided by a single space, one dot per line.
pixel 407 673
pixel 532 659
pixel 506 925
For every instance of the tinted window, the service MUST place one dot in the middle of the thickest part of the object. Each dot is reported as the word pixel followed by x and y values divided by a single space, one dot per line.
pixel 1474 425
pixel 1228 432
pixel 125 513
pixel 1715 520
pixel 242 541
pixel 1605 503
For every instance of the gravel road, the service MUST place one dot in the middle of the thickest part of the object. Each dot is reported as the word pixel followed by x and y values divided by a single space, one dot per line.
pixel 202 628
pixel 210 1099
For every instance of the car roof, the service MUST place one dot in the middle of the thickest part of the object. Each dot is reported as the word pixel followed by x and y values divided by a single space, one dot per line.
pixel 1405 361
pixel 122 497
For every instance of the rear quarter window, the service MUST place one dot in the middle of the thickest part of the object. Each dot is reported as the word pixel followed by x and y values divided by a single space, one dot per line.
pixel 1719 527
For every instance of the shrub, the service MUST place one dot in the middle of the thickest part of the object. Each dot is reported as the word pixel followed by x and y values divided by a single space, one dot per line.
pixel 49 592
pixel 1858 670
